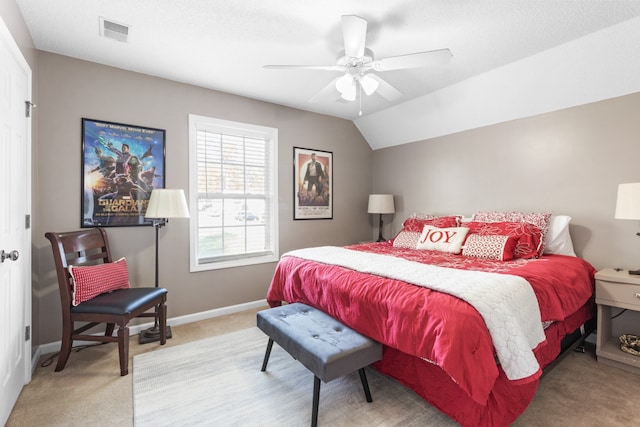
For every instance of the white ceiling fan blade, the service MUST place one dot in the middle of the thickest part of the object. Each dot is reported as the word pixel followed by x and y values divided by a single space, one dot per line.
pixel 354 33
pixel 305 67
pixel 413 60
pixel 385 90
pixel 327 92
pixel 369 84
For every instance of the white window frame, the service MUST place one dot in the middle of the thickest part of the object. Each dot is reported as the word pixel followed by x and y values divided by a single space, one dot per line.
pixel 226 127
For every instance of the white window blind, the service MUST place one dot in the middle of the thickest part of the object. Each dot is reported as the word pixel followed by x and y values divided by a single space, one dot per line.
pixel 234 192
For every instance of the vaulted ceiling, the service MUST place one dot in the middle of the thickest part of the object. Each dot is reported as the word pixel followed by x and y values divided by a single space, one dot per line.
pixel 223 45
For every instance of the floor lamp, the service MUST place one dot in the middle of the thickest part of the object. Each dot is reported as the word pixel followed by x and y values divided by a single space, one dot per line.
pixel 628 206
pixel 381 204
pixel 163 204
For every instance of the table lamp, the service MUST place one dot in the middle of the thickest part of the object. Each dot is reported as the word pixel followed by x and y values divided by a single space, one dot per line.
pixel 381 204
pixel 628 205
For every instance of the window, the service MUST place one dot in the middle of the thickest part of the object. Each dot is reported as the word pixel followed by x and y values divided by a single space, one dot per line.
pixel 233 193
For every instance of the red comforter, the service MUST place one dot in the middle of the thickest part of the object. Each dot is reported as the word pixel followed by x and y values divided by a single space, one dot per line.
pixel 445 338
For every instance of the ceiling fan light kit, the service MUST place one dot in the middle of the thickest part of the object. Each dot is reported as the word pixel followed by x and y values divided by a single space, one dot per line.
pixel 360 67
pixel 346 85
pixel 369 84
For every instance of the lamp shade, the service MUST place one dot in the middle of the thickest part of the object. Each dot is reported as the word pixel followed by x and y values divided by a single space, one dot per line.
pixel 628 202
pixel 167 203
pixel 381 204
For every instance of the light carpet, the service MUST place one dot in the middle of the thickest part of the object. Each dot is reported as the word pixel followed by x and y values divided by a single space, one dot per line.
pixel 218 382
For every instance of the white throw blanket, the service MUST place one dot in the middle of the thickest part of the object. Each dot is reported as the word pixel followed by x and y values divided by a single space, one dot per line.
pixel 506 302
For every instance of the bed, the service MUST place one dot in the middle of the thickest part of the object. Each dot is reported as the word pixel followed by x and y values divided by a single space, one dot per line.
pixel 469 327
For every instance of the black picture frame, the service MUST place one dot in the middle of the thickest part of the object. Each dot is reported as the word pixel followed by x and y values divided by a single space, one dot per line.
pixel 313 196
pixel 121 164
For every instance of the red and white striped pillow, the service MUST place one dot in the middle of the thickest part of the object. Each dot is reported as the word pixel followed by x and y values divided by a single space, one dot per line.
pixel 93 280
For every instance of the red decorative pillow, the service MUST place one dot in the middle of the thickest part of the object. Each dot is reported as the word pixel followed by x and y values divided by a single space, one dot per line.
pixel 442 239
pixel 417 223
pixel 493 247
pixel 412 228
pixel 539 219
pixel 90 281
pixel 528 235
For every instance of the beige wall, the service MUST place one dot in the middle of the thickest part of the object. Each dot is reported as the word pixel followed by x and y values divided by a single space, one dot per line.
pixel 71 89
pixel 568 162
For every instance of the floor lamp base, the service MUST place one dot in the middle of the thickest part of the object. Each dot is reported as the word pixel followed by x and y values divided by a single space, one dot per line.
pixel 152 334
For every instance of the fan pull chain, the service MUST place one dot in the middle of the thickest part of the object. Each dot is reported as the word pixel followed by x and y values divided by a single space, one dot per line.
pixel 360 99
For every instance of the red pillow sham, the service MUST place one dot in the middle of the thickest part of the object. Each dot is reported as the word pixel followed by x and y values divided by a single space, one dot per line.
pixel 528 235
pixel 539 219
pixel 416 224
pixel 412 228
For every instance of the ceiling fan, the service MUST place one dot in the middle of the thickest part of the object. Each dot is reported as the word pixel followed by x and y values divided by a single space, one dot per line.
pixel 360 67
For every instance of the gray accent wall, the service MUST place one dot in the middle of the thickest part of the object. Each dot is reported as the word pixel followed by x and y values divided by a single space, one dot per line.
pixel 567 162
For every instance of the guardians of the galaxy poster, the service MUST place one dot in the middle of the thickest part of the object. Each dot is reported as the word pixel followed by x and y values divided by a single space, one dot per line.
pixel 121 164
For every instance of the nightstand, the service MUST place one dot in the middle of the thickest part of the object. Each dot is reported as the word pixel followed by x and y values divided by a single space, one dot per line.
pixel 621 290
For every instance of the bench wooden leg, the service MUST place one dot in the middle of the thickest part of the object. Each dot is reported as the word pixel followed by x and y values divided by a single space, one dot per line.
pixel 365 384
pixel 316 401
pixel 266 355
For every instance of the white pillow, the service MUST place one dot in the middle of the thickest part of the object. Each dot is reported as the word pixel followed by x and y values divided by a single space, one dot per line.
pixel 442 239
pixel 558 239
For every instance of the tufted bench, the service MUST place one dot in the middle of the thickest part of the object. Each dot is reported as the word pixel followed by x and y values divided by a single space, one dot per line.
pixel 323 345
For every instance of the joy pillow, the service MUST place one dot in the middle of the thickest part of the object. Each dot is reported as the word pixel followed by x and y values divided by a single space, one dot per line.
pixel 442 239
pixel 91 281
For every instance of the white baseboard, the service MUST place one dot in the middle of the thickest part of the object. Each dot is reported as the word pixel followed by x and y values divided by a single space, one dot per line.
pixel 175 321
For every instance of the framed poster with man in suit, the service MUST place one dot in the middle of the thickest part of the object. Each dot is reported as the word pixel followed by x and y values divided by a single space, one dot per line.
pixel 313 179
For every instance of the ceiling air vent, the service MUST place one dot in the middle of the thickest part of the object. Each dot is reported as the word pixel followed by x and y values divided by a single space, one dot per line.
pixel 113 30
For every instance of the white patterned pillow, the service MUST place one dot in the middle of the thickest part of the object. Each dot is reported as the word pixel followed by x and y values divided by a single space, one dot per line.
pixel 492 246
pixel 406 239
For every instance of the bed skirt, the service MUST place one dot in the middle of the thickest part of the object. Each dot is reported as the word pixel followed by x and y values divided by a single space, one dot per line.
pixel 508 399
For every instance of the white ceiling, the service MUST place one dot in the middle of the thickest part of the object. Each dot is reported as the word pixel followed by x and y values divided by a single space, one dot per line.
pixel 223 44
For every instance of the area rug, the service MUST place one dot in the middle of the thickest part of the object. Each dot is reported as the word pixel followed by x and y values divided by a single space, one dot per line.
pixel 218 382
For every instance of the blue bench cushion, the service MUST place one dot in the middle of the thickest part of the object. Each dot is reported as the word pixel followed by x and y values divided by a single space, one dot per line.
pixel 322 344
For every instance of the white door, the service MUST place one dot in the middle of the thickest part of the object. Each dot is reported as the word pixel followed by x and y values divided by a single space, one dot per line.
pixel 15 233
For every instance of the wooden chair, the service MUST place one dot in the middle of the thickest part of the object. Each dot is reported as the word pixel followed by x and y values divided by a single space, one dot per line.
pixel 91 247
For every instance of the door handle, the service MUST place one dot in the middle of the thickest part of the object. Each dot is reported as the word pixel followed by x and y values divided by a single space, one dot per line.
pixel 13 255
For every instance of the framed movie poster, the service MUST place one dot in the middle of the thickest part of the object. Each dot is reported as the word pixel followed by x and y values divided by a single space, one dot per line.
pixel 121 164
pixel 313 180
